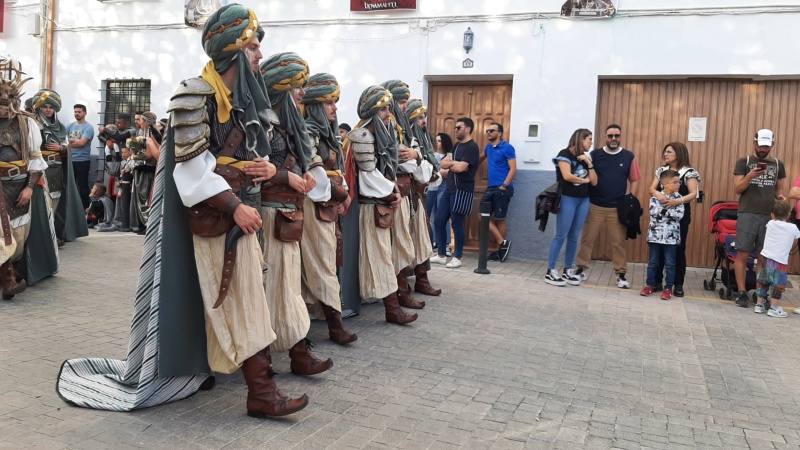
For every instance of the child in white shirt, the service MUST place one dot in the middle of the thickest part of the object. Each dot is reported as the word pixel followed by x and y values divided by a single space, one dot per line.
pixel 775 255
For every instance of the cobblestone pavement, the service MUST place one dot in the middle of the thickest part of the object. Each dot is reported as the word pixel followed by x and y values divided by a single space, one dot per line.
pixel 499 361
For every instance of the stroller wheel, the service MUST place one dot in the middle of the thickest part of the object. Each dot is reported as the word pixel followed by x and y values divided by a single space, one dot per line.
pixel 722 293
pixel 729 294
pixel 706 286
pixel 712 284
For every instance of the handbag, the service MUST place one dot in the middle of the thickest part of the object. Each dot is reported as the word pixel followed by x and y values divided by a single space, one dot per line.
pixel 463 199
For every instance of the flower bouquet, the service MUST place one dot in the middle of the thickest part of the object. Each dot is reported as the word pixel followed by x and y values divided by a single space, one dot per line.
pixel 136 145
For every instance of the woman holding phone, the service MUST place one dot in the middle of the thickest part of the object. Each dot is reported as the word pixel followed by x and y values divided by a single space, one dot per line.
pixel 676 157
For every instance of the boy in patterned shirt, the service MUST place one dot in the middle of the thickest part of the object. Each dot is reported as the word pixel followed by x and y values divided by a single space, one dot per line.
pixel 664 234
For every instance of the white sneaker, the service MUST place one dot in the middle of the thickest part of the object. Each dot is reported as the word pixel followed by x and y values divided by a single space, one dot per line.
pixel 796 311
pixel 553 279
pixel 580 274
pixel 455 262
pixel 777 312
pixel 570 277
pixel 438 259
pixel 622 283
pixel 759 309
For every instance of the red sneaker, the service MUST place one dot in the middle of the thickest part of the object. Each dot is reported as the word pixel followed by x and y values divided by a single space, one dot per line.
pixel 646 291
pixel 667 294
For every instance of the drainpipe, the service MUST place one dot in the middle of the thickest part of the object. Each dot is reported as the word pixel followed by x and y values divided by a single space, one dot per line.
pixel 48 14
pixel 42 43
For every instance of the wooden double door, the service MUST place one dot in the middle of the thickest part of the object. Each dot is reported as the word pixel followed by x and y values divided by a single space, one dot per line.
pixel 654 113
pixel 484 103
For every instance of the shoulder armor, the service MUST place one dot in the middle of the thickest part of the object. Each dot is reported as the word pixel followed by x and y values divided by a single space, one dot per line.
pixel 272 117
pixel 362 143
pixel 361 136
pixel 189 118
pixel 193 86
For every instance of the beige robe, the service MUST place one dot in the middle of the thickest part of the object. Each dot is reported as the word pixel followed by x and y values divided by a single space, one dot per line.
pixel 376 274
pixel 320 285
pixel 289 314
pixel 402 243
pixel 240 327
pixel 421 234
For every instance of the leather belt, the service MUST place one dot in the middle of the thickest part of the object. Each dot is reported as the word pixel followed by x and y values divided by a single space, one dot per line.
pixel 12 171
pixel 285 198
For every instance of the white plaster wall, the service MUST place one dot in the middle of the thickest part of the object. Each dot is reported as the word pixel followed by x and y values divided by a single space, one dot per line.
pixel 555 63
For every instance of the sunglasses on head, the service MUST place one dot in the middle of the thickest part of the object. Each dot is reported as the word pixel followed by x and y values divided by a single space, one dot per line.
pixel 613 136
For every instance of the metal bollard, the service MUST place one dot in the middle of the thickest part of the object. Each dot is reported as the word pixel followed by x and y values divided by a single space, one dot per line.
pixel 486 212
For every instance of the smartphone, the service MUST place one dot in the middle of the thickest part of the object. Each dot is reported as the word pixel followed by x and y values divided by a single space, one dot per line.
pixel 762 166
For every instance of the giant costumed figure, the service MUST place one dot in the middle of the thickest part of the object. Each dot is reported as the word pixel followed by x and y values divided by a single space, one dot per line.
pixel 321 245
pixel 21 170
pixel 201 241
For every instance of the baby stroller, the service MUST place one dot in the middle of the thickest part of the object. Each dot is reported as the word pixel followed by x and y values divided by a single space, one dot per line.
pixel 722 222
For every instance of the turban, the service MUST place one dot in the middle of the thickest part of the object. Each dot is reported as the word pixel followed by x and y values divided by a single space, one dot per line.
pixel 49 97
pixel 52 129
pixel 372 100
pixel 399 91
pixel 227 31
pixel 281 73
pixel 284 71
pixel 323 88
pixel 225 34
pixel 415 108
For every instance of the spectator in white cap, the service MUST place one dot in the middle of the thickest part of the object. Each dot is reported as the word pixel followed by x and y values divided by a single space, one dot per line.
pixel 759 181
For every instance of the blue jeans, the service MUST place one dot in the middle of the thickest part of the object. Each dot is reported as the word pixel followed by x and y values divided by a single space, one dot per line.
pixel 656 252
pixel 443 214
pixel 432 205
pixel 569 222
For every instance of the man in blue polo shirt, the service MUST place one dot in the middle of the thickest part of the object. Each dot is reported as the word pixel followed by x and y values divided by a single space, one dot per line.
pixel 502 165
pixel 80 134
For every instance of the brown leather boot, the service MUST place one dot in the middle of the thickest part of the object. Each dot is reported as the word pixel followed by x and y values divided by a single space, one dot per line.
pixel 422 285
pixel 303 362
pixel 394 313
pixel 8 279
pixel 336 330
pixel 403 294
pixel 263 397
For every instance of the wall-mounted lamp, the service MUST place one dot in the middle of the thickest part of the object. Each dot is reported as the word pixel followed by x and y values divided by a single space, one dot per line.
pixel 468 37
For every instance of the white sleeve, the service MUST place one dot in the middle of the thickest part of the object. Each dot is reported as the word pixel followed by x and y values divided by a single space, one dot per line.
pixel 423 172
pixel 374 184
pixel 322 191
pixel 196 180
pixel 35 138
pixel 408 166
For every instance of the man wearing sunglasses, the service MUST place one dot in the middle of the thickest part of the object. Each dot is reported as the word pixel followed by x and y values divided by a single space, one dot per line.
pixel 502 165
pixel 618 175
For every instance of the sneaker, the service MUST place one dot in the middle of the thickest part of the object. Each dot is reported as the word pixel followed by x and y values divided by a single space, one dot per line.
pixel 646 291
pixel 777 311
pixel 438 259
pixel 581 275
pixel 455 262
pixel 493 256
pixel 667 294
pixel 678 290
pixel 742 300
pixel 796 311
pixel 570 278
pixel 658 287
pixel 552 278
pixel 622 283
pixel 448 251
pixel 759 309
pixel 505 247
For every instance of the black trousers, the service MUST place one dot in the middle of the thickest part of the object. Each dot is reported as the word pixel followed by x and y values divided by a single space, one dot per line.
pixel 81 171
pixel 680 256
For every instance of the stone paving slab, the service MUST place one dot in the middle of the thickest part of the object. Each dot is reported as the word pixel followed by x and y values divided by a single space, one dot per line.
pixel 498 361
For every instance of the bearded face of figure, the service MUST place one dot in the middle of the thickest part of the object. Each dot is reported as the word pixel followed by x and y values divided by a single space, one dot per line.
pixel 422 121
pixel 384 114
pixel 403 104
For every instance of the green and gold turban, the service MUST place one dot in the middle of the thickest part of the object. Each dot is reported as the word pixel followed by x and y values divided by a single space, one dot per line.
pixel 52 129
pixel 415 108
pixel 281 73
pixel 227 31
pixel 398 89
pixel 284 71
pixel 47 97
pixel 323 88
pixel 372 100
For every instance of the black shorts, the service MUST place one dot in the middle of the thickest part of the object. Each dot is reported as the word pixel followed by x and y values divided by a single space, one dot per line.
pixel 499 199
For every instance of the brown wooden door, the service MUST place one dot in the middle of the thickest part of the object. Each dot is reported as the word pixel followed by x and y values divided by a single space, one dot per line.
pixel 484 103
pixel 654 113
